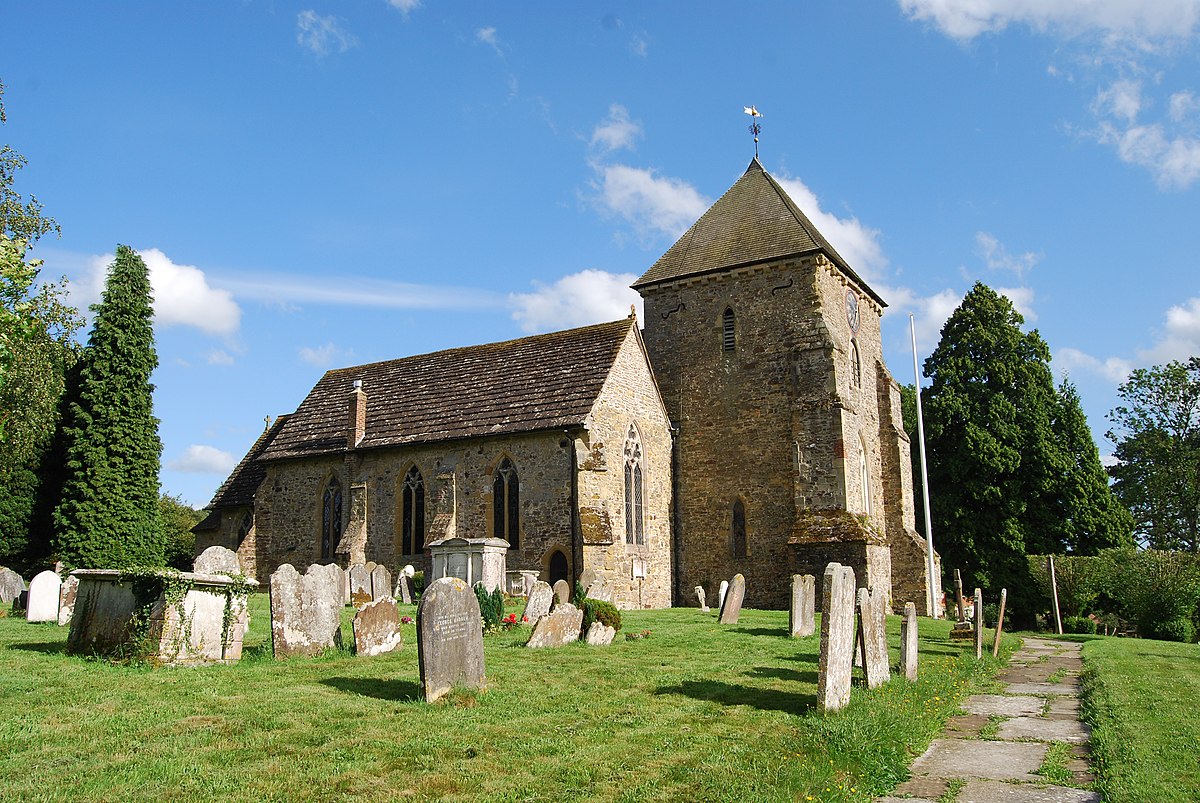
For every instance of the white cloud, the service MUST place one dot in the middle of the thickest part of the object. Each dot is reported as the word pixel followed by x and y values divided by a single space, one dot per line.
pixel 616 131
pixel 1022 299
pixel 488 37
pixel 405 6
pixel 201 459
pixel 930 314
pixel 322 35
pixel 1070 360
pixel 220 357
pixel 1173 161
pixel 997 257
pixel 324 356
pixel 356 291
pixel 651 203
pixel 590 296
pixel 1183 105
pixel 1180 337
pixel 858 244
pixel 639 45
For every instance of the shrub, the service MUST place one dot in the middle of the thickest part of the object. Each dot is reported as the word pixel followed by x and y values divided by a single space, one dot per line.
pixel 1079 624
pixel 1178 628
pixel 418 579
pixel 491 606
pixel 605 613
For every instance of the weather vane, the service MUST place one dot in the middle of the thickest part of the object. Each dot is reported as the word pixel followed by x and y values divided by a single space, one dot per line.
pixel 755 128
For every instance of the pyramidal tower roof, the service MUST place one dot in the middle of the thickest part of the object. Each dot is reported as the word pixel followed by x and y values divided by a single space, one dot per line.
pixel 754 221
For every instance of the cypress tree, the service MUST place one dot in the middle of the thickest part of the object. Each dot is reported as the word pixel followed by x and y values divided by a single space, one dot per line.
pixel 108 514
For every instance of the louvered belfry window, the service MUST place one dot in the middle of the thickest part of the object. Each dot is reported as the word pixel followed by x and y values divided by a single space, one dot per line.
pixel 635 528
pixel 728 323
pixel 506 504
pixel 413 513
pixel 331 518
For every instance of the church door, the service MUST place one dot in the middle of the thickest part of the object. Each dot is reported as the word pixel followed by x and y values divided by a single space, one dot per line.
pixel 558 569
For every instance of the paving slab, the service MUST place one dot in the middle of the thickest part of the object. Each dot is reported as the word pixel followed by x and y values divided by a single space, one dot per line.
pixel 1045 730
pixel 922 788
pixel 1044 689
pixel 891 799
pixel 1004 705
pixel 965 727
pixel 969 758
pixel 998 792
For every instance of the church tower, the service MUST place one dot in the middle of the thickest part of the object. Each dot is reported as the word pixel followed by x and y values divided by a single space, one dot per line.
pixel 790 450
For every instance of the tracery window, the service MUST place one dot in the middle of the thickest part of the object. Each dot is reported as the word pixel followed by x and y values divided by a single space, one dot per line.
pixel 728 325
pixel 506 504
pixel 635 528
pixel 331 518
pixel 412 513
pixel 737 534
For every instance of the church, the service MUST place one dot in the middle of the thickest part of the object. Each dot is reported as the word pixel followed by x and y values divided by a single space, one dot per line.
pixel 748 426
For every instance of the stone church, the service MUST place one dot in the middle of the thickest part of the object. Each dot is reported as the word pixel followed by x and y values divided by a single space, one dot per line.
pixel 751 427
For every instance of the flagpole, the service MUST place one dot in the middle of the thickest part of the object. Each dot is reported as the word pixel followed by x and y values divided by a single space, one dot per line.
pixel 932 580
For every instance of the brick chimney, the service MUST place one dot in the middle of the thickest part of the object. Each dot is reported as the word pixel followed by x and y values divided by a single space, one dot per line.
pixel 356 424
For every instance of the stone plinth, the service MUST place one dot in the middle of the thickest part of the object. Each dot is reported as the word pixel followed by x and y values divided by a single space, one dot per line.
pixel 472 560
pixel 519 582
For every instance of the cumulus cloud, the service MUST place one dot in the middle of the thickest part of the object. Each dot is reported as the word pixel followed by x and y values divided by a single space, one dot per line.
pixel 201 459
pixel 1139 21
pixel 405 6
pixel 324 356
pixel 616 131
pixel 652 203
pixel 1173 158
pixel 1178 339
pixel 1071 360
pixel 930 314
pixel 357 291
pixel 322 35
pixel 857 243
pixel 590 296
pixel 1022 299
pixel 997 257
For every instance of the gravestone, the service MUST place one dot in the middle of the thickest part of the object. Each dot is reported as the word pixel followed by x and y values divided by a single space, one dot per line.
pixel 978 624
pixel 962 628
pixel 360 585
pixel 872 618
pixel 305 612
pixel 722 590
pixel 409 571
pixel 370 566
pixel 66 600
pixel 560 627
pixel 908 642
pixel 377 627
pixel 381 582
pixel 541 597
pixel 11 585
pixel 43 598
pixel 801 619
pixel 588 577
pixel 404 589
pixel 600 589
pixel 217 560
pixel 700 598
pixel 600 634
pixel 731 608
pixel 837 637
pixel 449 638
pixel 562 592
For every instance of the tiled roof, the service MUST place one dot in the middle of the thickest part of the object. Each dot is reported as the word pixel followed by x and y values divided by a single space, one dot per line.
pixel 538 382
pixel 754 221
pixel 239 487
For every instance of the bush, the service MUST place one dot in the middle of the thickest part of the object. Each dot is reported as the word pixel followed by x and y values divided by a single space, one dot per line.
pixel 491 606
pixel 605 613
pixel 1177 629
pixel 1079 624
pixel 418 579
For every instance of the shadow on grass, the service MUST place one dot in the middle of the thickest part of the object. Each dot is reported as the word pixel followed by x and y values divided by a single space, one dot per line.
pixel 401 691
pixel 729 694
pixel 778 632
pixel 46 647
pixel 784 674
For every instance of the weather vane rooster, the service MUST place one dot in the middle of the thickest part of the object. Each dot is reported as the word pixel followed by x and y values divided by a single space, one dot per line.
pixel 755 128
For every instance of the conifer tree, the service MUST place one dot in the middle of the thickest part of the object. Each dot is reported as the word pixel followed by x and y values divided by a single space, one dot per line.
pixel 108 514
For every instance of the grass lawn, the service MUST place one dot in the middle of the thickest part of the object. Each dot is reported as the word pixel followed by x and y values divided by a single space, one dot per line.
pixel 1139 697
pixel 694 712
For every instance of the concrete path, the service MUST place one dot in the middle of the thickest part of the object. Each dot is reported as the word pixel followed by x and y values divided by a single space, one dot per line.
pixel 1040 705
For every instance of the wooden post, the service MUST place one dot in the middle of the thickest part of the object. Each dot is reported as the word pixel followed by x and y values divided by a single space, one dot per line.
pixel 1054 593
pixel 999 623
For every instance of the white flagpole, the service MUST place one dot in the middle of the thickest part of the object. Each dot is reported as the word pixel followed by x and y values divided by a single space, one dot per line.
pixel 932 583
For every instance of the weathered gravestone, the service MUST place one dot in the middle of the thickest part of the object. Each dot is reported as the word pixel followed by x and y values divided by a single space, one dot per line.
pixel 560 627
pixel 600 590
pixel 562 592
pixel 66 600
pixel 908 642
pixel 217 560
pixel 978 624
pixel 305 612
pixel 449 638
pixel 377 627
pixel 43 597
pixel 360 584
pixel 404 589
pixel 962 628
pixel 11 585
pixel 600 634
pixel 872 618
pixel 837 637
pixel 541 597
pixel 700 598
pixel 731 608
pixel 722 590
pixel 381 582
pixel 370 566
pixel 801 617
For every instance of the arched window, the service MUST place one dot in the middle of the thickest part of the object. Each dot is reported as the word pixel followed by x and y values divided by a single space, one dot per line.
pixel 412 513
pixel 855 364
pixel 331 518
pixel 635 527
pixel 244 528
pixel 506 504
pixel 865 478
pixel 728 324
pixel 738 530
pixel 557 568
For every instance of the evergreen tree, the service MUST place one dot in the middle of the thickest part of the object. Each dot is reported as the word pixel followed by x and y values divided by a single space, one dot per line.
pixel 108 515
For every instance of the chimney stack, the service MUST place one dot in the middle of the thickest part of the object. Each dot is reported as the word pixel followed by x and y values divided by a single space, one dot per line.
pixel 357 422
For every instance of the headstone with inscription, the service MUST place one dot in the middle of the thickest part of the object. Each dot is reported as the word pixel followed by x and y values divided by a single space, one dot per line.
pixel 217 560
pixel 541 597
pixel 562 592
pixel 43 597
pixel 305 612
pixel 449 638
pixel 560 627
pixel 66 599
pixel 722 590
pixel 360 584
pixel 908 642
pixel 731 608
pixel 11 585
pixel 872 618
pixel 837 637
pixel 700 598
pixel 381 582
pixel 377 627
pixel 801 619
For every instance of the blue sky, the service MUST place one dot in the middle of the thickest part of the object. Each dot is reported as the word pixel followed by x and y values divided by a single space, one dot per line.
pixel 322 185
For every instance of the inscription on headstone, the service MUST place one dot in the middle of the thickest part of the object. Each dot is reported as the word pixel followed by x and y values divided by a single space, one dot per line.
pixel 801 619
pixel 731 608
pixel 537 605
pixel 908 642
pixel 872 617
pixel 837 637
pixel 449 638
pixel 43 597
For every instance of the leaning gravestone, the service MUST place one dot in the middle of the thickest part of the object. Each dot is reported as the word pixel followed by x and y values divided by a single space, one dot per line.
pixel 66 600
pixel 449 638
pixel 600 634
pixel 305 612
pixel 360 585
pixel 601 590
pixel 700 598
pixel 721 592
pixel 731 608
pixel 560 627
pixel 381 582
pixel 43 597
pixel 562 592
pixel 217 560
pixel 872 619
pixel 11 585
pixel 801 619
pixel 837 637
pixel 404 588
pixel 377 627
pixel 978 624
pixel 537 605
pixel 908 642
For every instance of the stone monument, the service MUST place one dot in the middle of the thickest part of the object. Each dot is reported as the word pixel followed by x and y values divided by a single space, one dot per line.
pixel 837 637
pixel 802 616
pixel 449 638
